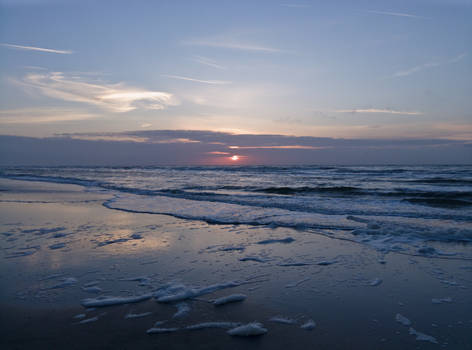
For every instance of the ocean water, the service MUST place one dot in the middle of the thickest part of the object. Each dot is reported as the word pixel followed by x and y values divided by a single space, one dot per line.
pixel 388 207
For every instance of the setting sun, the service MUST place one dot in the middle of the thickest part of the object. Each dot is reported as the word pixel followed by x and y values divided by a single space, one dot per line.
pixel 235 158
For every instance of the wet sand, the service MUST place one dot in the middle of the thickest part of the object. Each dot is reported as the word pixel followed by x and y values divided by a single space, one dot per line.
pixel 58 240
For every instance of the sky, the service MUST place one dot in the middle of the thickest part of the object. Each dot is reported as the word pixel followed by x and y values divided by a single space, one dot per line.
pixel 356 70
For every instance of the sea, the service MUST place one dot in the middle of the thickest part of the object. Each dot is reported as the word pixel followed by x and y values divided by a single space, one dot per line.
pixel 392 208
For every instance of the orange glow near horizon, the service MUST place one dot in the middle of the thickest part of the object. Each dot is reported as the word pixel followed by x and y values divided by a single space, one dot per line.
pixel 235 158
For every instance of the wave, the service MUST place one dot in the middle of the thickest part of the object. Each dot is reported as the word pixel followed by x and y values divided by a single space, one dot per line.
pixel 371 171
pixel 283 190
pixel 226 213
pixel 440 202
pixel 443 181
pixel 229 213
pixel 306 189
pixel 428 194
pixel 335 200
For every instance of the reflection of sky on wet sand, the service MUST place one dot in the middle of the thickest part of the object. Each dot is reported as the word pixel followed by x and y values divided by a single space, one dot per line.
pixel 82 244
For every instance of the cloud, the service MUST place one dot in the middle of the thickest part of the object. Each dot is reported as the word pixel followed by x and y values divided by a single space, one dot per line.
pixel 211 82
pixel 219 153
pixel 421 67
pixel 457 58
pixel 146 125
pixel 397 14
pixel 208 62
pixel 115 138
pixel 40 49
pixel 376 110
pixel 404 73
pixel 42 116
pixel 177 140
pixel 301 6
pixel 279 147
pixel 112 97
pixel 224 44
pixel 130 137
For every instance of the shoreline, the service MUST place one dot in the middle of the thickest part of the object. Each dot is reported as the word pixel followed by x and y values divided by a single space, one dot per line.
pixel 345 287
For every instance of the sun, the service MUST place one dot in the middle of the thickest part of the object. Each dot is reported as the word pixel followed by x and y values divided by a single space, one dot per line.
pixel 235 158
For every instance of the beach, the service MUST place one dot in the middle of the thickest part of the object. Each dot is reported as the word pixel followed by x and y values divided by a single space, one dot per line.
pixel 82 275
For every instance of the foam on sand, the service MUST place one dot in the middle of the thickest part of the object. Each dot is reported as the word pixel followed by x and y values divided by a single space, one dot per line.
pixel 144 314
pixel 161 330
pixel 229 299
pixel 308 325
pixel 69 281
pixel 91 284
pixel 204 325
pixel 109 301
pixel 422 337
pixel 93 289
pixel 375 282
pixel 179 292
pixel 89 320
pixel 441 300
pixel 402 319
pixel 182 310
pixel 247 330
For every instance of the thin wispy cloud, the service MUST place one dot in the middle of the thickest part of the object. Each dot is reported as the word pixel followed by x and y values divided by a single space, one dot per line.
pixel 406 72
pixel 42 115
pixel 219 153
pixel 301 6
pixel 34 48
pixel 112 97
pixel 34 68
pixel 177 140
pixel 457 58
pixel 396 14
pixel 112 138
pixel 212 82
pixel 208 62
pixel 234 46
pixel 279 147
pixel 377 110
pixel 125 137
